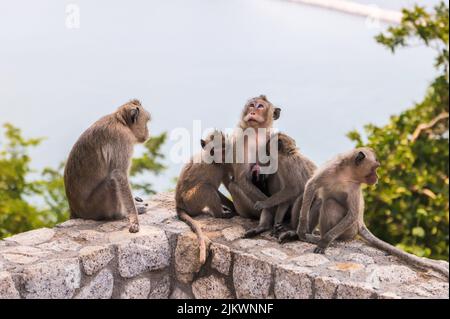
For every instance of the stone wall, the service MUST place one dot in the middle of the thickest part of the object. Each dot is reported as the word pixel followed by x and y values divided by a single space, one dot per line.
pixel 88 259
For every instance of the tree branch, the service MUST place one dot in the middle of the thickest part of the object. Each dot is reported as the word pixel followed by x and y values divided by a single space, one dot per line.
pixel 425 126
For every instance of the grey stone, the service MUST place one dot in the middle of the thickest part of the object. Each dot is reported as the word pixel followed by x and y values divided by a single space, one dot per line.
pixel 24 255
pixel 251 243
pixel 7 288
pixel 251 277
pixel 87 236
pixel 221 258
pixel 354 290
pixel 160 288
pixel 388 295
pixel 211 287
pixel 137 288
pixel 430 289
pixel 180 294
pixel 347 267
pixel 113 226
pixel 392 274
pixel 147 250
pixel 27 251
pixel 77 222
pixel 187 257
pixel 298 247
pixel 20 259
pixel 61 245
pixel 233 233
pixel 161 261
pixel 274 253
pixel 325 287
pixel 33 237
pixel 176 227
pixel 95 258
pixel 156 217
pixel 358 258
pixel 371 251
pixel 100 287
pixel 310 260
pixel 292 283
pixel 55 279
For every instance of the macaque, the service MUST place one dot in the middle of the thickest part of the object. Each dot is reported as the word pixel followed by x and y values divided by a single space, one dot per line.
pixel 338 184
pixel 286 186
pixel 97 170
pixel 258 113
pixel 197 190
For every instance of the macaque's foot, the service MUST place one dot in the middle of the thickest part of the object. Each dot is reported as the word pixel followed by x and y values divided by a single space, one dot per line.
pixel 288 237
pixel 227 214
pixel 254 232
pixel 302 234
pixel 229 211
pixel 138 199
pixel 277 230
pixel 319 250
pixel 259 205
pixel 134 228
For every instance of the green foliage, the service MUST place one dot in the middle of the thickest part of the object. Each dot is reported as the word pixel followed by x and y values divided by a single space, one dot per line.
pixel 17 214
pixel 31 199
pixel 148 162
pixel 53 193
pixel 429 28
pixel 410 204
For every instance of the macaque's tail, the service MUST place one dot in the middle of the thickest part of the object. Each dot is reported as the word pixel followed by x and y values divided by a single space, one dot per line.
pixel 409 258
pixel 195 226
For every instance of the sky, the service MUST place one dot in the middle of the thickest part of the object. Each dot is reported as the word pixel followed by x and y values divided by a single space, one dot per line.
pixel 200 60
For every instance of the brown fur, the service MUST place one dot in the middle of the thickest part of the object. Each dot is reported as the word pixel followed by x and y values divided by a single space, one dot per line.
pixel 254 117
pixel 198 192
pixel 96 173
pixel 258 113
pixel 338 184
pixel 286 186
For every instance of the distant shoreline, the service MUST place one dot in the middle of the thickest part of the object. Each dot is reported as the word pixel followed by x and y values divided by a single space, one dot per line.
pixel 350 7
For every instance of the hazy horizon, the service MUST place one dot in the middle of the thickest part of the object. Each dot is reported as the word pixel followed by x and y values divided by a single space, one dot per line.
pixel 200 60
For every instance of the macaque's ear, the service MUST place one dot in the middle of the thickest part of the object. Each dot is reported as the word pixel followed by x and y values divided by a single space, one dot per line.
pixel 359 158
pixel 134 115
pixel 203 143
pixel 276 113
pixel 280 145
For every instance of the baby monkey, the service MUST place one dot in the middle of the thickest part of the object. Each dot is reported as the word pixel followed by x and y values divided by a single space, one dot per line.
pixel 197 189
pixel 286 186
pixel 338 184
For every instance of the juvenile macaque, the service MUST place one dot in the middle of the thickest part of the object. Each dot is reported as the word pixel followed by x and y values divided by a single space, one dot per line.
pixel 286 186
pixel 197 190
pixel 96 173
pixel 338 184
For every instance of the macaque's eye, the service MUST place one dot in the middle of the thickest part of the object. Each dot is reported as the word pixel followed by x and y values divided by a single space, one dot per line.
pixel 260 106
pixel 359 158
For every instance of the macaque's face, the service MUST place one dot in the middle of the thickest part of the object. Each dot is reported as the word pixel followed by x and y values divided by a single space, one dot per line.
pixel 257 113
pixel 137 119
pixel 366 166
pixel 217 143
pixel 140 127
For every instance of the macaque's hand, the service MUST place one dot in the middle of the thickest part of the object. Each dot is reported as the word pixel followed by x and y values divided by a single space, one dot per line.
pixel 260 205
